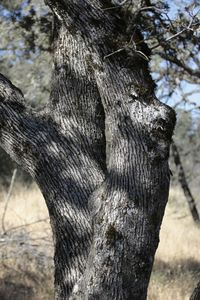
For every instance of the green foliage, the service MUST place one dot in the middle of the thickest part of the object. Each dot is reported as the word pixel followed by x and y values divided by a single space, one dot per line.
pixel 24 47
pixel 25 59
pixel 184 127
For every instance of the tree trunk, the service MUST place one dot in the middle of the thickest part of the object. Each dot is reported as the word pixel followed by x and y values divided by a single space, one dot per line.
pixel 99 153
pixel 184 184
pixel 196 293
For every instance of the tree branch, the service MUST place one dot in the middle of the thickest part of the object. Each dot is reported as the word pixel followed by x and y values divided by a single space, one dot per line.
pixel 21 130
pixel 8 196
pixel 179 63
pixel 9 92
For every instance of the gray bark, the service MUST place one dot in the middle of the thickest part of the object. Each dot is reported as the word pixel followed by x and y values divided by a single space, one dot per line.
pixel 184 184
pixel 196 293
pixel 99 153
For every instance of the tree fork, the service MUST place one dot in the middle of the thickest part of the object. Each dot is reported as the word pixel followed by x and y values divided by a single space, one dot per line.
pixel 105 210
pixel 137 126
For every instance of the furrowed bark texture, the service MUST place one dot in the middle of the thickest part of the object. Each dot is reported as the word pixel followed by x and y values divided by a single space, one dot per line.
pixel 99 155
pixel 196 293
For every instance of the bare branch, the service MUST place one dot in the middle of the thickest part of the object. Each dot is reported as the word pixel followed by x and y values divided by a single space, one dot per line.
pixel 179 63
pixel 21 130
pixel 187 28
pixel 26 225
pixel 7 200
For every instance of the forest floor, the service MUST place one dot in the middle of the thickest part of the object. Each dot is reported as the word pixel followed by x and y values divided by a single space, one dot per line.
pixel 26 249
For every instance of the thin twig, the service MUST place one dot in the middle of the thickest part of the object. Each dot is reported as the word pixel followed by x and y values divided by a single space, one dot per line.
pixel 117 51
pixel 114 7
pixel 7 200
pixel 177 34
pixel 25 225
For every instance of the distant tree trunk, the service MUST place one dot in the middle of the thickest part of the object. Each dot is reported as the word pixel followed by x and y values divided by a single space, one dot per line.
pixel 184 184
pixel 196 293
pixel 99 153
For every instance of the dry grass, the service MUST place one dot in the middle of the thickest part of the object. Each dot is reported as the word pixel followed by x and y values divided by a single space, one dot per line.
pixel 26 266
pixel 26 252
pixel 177 265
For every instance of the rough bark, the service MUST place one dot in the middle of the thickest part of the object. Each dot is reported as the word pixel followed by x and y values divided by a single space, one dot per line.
pixel 196 293
pixel 66 172
pixel 99 153
pixel 184 184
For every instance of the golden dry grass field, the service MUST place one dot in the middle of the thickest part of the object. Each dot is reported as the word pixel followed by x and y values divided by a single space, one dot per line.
pixel 26 267
pixel 177 264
